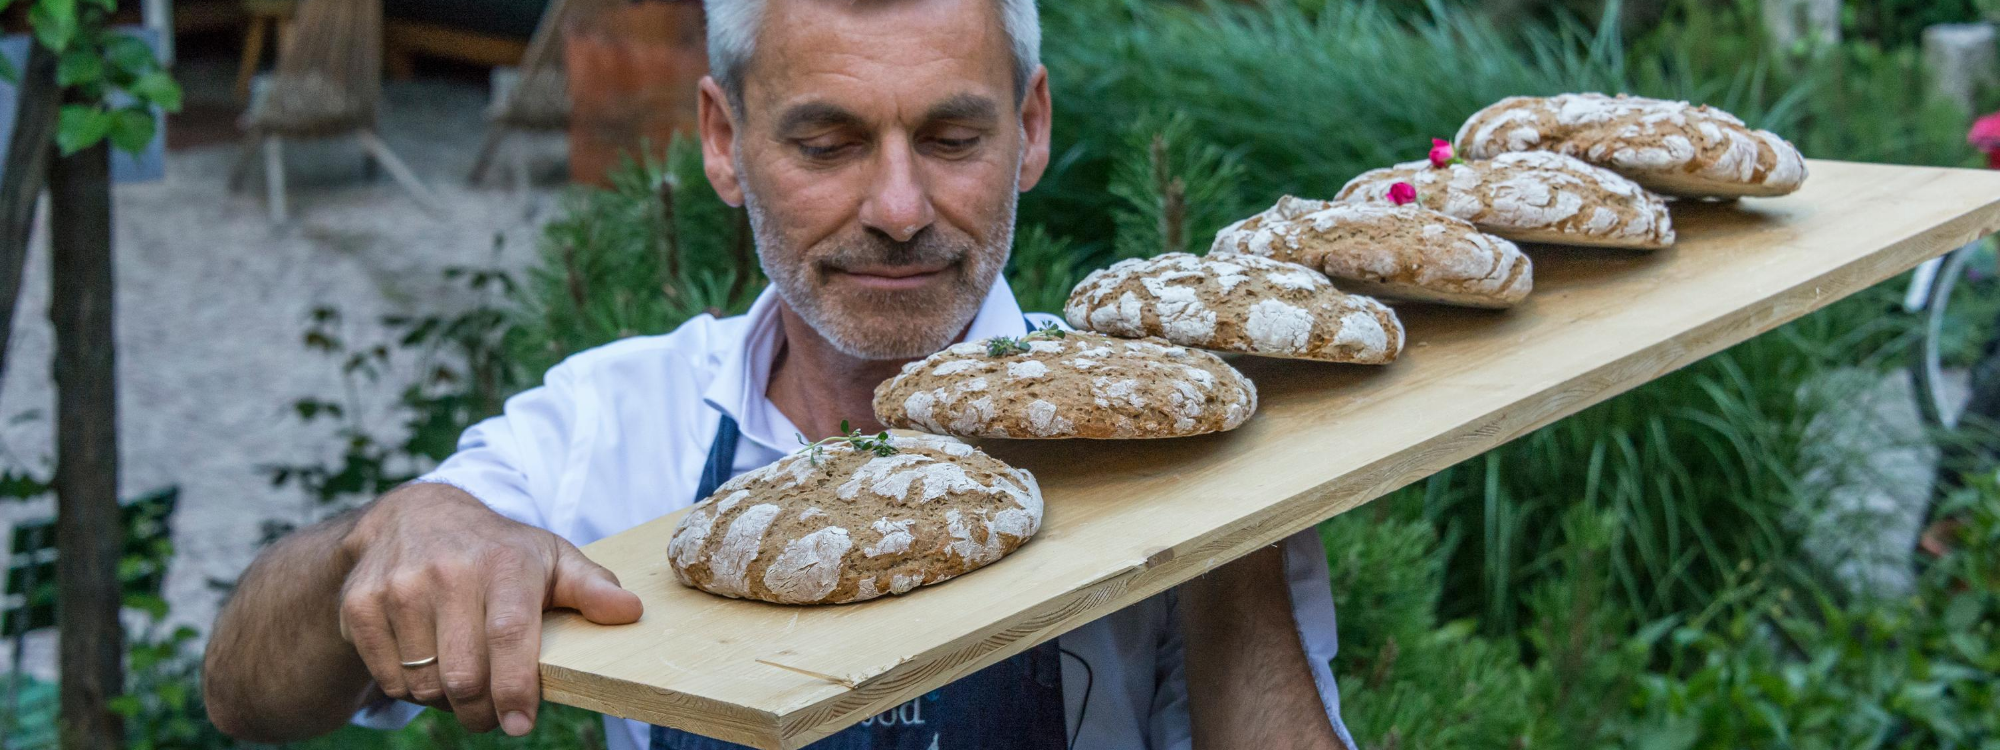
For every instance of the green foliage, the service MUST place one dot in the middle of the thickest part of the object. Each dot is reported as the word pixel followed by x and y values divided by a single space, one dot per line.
pixel 113 79
pixel 460 376
pixel 1177 190
pixel 1761 666
pixel 1765 668
pixel 656 248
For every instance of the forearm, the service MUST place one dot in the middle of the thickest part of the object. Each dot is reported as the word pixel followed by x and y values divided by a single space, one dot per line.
pixel 277 668
pixel 1248 683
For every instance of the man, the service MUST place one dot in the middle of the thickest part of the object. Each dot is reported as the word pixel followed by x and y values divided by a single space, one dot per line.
pixel 879 147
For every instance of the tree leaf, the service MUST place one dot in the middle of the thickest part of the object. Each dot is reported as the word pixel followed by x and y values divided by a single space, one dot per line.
pixel 128 53
pixel 158 88
pixel 80 126
pixel 132 128
pixel 79 66
pixel 54 22
pixel 7 71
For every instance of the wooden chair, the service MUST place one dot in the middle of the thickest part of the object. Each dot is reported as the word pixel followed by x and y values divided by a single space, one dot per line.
pixel 536 99
pixel 272 18
pixel 327 83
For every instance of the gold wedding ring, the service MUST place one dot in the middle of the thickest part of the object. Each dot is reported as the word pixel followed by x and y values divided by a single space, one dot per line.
pixel 424 662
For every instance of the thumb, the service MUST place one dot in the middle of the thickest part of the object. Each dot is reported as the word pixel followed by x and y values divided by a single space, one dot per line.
pixel 588 588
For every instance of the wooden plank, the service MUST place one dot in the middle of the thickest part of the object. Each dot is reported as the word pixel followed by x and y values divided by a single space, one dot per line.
pixel 1126 520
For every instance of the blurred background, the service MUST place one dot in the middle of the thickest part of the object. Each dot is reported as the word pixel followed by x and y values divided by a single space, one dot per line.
pixel 343 230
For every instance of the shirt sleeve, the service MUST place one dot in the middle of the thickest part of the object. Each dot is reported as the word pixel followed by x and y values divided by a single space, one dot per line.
pixel 1306 573
pixel 509 462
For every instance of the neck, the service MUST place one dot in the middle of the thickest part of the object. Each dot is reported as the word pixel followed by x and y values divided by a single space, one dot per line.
pixel 816 385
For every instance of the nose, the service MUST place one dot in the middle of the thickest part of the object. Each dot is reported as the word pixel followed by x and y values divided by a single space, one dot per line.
pixel 898 204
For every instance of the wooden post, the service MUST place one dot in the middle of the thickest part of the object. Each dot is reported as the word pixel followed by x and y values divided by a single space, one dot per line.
pixel 1962 61
pixel 27 168
pixel 89 535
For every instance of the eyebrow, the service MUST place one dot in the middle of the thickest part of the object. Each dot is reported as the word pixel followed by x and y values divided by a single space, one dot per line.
pixel 971 108
pixel 963 108
pixel 816 115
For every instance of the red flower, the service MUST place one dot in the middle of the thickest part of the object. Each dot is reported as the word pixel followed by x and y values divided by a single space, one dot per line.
pixel 1441 155
pixel 1985 136
pixel 1402 193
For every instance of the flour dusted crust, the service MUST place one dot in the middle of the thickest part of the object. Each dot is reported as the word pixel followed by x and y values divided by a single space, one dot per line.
pixel 1382 249
pixel 1671 147
pixel 1082 385
pixel 1236 303
pixel 1532 196
pixel 856 525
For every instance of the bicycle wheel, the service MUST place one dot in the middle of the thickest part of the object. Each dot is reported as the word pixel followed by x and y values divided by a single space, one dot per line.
pixel 1927 363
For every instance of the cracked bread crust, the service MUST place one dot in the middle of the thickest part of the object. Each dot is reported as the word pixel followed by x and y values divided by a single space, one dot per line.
pixel 1081 385
pixel 1532 196
pixel 1672 147
pixel 1236 303
pixel 852 525
pixel 1401 252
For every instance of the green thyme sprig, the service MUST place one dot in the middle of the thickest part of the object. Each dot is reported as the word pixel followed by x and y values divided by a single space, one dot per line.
pixel 1002 346
pixel 877 443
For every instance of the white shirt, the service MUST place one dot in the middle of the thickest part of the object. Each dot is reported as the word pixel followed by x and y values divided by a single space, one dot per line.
pixel 618 435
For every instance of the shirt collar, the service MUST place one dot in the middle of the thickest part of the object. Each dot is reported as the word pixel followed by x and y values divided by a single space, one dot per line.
pixel 744 370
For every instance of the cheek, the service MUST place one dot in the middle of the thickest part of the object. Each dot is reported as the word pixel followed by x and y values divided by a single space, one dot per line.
pixel 973 196
pixel 807 206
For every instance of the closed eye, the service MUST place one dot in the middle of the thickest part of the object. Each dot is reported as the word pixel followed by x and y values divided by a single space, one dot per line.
pixel 953 147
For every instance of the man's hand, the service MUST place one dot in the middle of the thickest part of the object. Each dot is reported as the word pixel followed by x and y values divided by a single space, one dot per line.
pixel 441 577
pixel 426 571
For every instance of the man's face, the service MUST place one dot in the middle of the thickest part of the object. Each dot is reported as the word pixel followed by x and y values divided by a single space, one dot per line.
pixel 879 152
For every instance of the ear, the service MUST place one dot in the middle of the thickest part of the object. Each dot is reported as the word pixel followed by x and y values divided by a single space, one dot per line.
pixel 718 141
pixel 1035 117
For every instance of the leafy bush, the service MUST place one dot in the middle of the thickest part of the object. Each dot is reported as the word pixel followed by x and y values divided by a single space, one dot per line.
pixel 1761 666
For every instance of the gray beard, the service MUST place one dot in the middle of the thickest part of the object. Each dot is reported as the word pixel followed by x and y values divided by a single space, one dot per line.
pixel 921 335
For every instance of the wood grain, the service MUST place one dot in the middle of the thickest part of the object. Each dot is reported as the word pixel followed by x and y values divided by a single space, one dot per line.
pixel 1126 520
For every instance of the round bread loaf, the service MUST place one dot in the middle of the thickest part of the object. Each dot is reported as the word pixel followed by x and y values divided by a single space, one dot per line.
pixel 846 524
pixel 1236 303
pixel 1532 196
pixel 1067 385
pixel 1381 249
pixel 1668 146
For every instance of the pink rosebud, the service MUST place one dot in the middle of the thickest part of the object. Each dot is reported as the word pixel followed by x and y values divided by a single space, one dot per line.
pixel 1402 193
pixel 1441 153
pixel 1985 136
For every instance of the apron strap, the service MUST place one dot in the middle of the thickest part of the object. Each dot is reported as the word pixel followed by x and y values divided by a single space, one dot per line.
pixel 721 459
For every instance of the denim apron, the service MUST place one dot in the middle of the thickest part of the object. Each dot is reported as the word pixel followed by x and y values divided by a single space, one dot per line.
pixel 1016 704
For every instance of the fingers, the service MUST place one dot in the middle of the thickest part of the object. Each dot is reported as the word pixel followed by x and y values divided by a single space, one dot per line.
pixel 514 644
pixel 413 623
pixel 589 588
pixel 462 666
pixel 364 621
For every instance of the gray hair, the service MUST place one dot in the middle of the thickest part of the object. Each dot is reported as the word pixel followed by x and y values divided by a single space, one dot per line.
pixel 732 38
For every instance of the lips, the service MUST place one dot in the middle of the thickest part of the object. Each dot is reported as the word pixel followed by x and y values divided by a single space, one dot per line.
pixel 890 277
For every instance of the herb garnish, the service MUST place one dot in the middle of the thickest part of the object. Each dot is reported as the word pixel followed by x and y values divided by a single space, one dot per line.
pixel 877 444
pixel 1001 346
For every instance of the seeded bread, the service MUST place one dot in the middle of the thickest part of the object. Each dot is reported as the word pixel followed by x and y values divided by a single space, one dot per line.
pixel 848 525
pixel 1077 385
pixel 1670 147
pixel 1236 303
pixel 1381 249
pixel 1532 196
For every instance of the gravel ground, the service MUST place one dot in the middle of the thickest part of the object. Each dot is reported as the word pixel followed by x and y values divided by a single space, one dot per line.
pixel 211 303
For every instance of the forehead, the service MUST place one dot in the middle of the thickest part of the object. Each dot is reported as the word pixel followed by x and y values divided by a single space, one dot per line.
pixel 904 52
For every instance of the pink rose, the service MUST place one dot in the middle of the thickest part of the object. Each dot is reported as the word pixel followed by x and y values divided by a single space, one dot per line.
pixel 1441 155
pixel 1402 193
